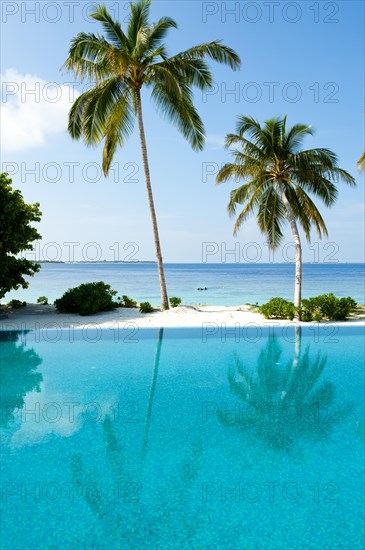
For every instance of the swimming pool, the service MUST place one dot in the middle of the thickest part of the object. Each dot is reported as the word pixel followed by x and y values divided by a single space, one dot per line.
pixel 183 438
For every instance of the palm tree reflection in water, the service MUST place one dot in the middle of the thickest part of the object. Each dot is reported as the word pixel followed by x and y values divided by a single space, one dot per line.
pixel 284 404
pixel 128 516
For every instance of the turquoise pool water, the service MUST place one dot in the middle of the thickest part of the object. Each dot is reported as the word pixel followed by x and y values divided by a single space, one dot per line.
pixel 169 439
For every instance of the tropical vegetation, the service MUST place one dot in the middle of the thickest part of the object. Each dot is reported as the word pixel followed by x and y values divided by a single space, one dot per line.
pixel 16 236
pixel 175 301
pixel 16 304
pixel 126 301
pixel 278 308
pixel 87 299
pixel 325 306
pixel 145 307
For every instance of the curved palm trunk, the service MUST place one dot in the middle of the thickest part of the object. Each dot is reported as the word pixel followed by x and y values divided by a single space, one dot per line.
pixel 161 274
pixel 298 249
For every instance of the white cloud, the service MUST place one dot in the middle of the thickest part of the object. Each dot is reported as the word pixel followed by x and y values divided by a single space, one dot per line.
pixel 32 110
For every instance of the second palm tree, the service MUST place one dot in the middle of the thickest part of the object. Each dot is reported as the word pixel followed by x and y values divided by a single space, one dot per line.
pixel 279 175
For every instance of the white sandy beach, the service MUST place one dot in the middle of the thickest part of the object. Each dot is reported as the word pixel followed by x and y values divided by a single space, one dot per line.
pixel 35 316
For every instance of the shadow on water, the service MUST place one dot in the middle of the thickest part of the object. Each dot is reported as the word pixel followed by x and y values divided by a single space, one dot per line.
pixel 280 405
pixel 130 516
pixel 18 376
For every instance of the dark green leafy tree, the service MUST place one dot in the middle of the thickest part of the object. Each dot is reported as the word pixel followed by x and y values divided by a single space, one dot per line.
pixel 122 63
pixel 279 178
pixel 16 235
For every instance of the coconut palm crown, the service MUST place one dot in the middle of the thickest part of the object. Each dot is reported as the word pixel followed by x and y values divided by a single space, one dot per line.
pixel 120 64
pixel 279 179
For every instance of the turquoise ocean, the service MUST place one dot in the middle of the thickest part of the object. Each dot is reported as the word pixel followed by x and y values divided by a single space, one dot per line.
pixel 227 284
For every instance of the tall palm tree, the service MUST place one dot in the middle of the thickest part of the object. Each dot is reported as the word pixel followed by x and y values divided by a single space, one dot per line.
pixel 279 176
pixel 120 64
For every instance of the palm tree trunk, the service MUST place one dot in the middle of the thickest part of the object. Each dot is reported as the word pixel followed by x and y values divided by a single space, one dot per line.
pixel 298 249
pixel 164 298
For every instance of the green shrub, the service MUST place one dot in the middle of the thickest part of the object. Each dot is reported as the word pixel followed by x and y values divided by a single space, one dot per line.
pixel 128 302
pixel 278 308
pixel 174 301
pixel 87 299
pixel 16 304
pixel 42 300
pixel 307 316
pixel 145 307
pixel 327 306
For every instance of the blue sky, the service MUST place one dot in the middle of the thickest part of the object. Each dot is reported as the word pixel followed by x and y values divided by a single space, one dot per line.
pixel 304 59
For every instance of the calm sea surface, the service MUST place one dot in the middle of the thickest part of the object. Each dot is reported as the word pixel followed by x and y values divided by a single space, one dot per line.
pixel 227 284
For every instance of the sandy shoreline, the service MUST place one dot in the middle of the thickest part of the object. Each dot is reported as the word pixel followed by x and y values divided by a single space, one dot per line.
pixel 35 316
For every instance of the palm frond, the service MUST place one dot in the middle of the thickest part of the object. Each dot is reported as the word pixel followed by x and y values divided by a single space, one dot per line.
pixel 299 210
pixel 98 108
pixel 231 171
pixel 321 157
pixel 296 135
pixel 314 182
pixel 158 31
pixel 248 148
pixel 119 127
pixel 89 56
pixel 181 112
pixel 112 29
pixel 271 216
pixel 137 29
pixel 76 115
pixel 338 174
pixel 194 72
pixel 213 50
pixel 251 127
pixel 249 195
pixel 165 76
pixel 312 213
